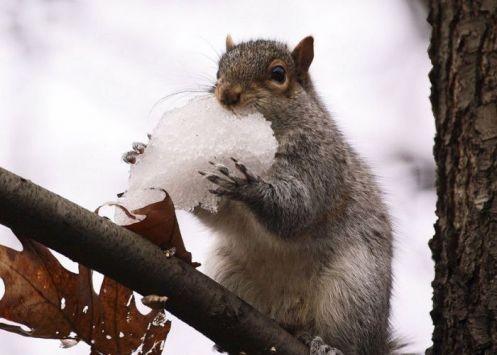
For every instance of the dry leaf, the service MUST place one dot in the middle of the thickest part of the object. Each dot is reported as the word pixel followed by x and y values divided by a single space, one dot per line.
pixel 160 226
pixel 58 304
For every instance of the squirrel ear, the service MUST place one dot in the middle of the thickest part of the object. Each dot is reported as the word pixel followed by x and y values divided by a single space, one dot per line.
pixel 229 42
pixel 303 54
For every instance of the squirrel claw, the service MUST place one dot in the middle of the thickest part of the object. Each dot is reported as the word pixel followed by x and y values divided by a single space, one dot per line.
pixel 229 184
pixel 220 192
pixel 139 147
pixel 129 157
pixel 222 169
pixel 218 180
pixel 243 169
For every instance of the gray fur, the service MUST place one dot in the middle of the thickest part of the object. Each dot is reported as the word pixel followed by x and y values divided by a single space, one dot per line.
pixel 309 243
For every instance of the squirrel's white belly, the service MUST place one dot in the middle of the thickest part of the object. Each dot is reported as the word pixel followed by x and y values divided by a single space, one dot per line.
pixel 271 274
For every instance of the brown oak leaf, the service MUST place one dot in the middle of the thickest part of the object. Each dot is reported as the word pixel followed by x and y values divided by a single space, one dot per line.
pixel 58 304
pixel 160 226
pixel 55 303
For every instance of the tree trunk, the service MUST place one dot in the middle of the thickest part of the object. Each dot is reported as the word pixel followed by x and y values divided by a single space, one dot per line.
pixel 464 98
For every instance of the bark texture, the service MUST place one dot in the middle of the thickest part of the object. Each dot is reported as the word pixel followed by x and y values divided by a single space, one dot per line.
pixel 138 264
pixel 464 99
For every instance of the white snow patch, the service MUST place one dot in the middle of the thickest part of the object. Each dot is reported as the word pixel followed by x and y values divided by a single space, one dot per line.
pixel 85 309
pixel 184 142
pixel 121 335
pixel 62 303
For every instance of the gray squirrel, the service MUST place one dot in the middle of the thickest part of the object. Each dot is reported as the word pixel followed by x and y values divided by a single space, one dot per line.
pixel 309 244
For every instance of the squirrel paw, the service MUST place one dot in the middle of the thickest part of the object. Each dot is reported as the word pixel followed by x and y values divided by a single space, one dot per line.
pixel 318 347
pixel 229 184
pixel 130 156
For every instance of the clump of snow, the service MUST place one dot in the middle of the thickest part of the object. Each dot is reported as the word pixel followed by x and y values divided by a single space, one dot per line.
pixel 184 142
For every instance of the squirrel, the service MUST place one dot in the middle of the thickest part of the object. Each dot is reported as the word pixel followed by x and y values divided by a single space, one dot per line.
pixel 309 243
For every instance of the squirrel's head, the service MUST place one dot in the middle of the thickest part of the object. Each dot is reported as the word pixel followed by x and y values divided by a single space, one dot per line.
pixel 258 73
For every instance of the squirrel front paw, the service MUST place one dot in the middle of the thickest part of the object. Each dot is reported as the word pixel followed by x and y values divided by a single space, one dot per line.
pixel 316 344
pixel 229 184
pixel 138 149
pixel 318 347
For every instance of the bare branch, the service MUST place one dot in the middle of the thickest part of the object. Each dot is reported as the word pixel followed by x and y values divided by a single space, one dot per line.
pixel 97 243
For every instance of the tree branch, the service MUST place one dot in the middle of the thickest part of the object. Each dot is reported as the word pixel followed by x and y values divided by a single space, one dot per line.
pixel 99 244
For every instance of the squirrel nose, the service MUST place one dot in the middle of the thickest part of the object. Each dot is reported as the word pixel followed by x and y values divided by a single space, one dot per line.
pixel 230 97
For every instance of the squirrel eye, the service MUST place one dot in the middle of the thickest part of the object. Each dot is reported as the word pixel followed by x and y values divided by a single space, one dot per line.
pixel 278 74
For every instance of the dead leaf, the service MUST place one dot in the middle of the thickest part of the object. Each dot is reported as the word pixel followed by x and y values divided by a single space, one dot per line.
pixel 160 226
pixel 58 304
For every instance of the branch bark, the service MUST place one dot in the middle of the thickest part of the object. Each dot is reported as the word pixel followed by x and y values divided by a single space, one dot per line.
pixel 99 244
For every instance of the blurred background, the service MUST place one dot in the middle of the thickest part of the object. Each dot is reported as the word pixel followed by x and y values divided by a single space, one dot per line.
pixel 81 80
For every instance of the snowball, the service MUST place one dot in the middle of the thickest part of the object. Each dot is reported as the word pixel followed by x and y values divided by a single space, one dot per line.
pixel 184 142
